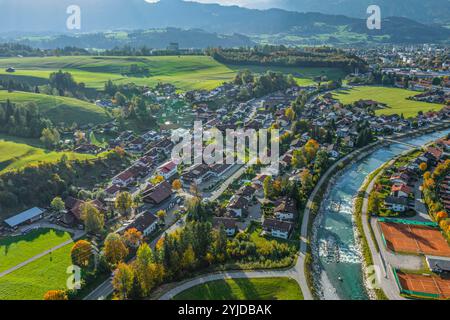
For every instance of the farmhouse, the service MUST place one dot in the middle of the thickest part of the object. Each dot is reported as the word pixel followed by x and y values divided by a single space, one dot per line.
pixel 28 216
pixel 74 209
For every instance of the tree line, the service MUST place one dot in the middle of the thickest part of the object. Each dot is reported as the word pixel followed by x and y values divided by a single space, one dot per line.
pixel 289 57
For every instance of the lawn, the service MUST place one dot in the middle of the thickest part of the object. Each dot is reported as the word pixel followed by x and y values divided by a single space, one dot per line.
pixel 185 72
pixel 15 155
pixel 32 281
pixel 15 250
pixel 245 289
pixel 395 98
pixel 60 109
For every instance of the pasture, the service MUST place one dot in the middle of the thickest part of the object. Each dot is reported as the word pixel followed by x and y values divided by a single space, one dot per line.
pixel 32 281
pixel 395 98
pixel 245 289
pixel 59 109
pixel 15 250
pixel 185 72
pixel 15 155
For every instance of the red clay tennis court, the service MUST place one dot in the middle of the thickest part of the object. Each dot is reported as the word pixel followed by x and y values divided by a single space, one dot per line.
pixel 414 239
pixel 417 284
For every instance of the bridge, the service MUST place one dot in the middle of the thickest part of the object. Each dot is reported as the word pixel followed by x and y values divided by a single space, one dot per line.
pixel 401 142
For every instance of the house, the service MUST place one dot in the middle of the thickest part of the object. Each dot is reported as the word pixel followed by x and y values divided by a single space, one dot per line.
pixel 400 190
pixel 285 210
pixel 229 224
pixel 259 179
pixel 146 223
pixel 124 179
pixel 74 209
pixel 28 216
pixel 165 146
pixel 277 229
pixel 88 148
pixel 168 170
pixel 396 204
pixel 196 175
pixel 433 154
pixel 158 194
pixel 247 192
pixel 112 190
pixel 400 178
pixel 331 149
pixel 10 70
pixel 238 206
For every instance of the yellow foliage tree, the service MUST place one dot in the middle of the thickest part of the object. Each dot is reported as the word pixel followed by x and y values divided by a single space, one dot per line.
pixel 55 295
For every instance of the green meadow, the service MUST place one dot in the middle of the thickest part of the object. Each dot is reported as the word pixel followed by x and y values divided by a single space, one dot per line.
pixel 59 109
pixel 245 289
pixel 185 72
pixel 15 250
pixel 396 99
pixel 32 281
pixel 15 155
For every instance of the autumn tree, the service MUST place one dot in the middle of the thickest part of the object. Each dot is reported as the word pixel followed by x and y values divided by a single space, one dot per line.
pixel 147 272
pixel 124 203
pixel 441 215
pixel 133 237
pixel 161 214
pixel 267 187
pixel 81 253
pixel 57 205
pixel 55 295
pixel 176 184
pixel 94 221
pixel 115 249
pixel 423 166
pixel 123 280
pixel 188 258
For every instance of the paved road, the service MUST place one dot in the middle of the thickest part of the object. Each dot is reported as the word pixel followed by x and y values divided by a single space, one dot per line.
pixel 385 277
pixel 76 236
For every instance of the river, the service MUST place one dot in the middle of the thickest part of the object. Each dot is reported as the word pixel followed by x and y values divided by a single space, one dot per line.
pixel 337 257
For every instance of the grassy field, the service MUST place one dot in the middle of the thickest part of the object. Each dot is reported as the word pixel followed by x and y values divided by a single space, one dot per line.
pixel 395 98
pixel 15 155
pixel 185 72
pixel 60 109
pixel 15 250
pixel 245 289
pixel 32 281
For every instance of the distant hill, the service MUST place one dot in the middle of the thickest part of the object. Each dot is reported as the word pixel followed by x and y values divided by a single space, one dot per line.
pixel 425 11
pixel 101 15
pixel 151 38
